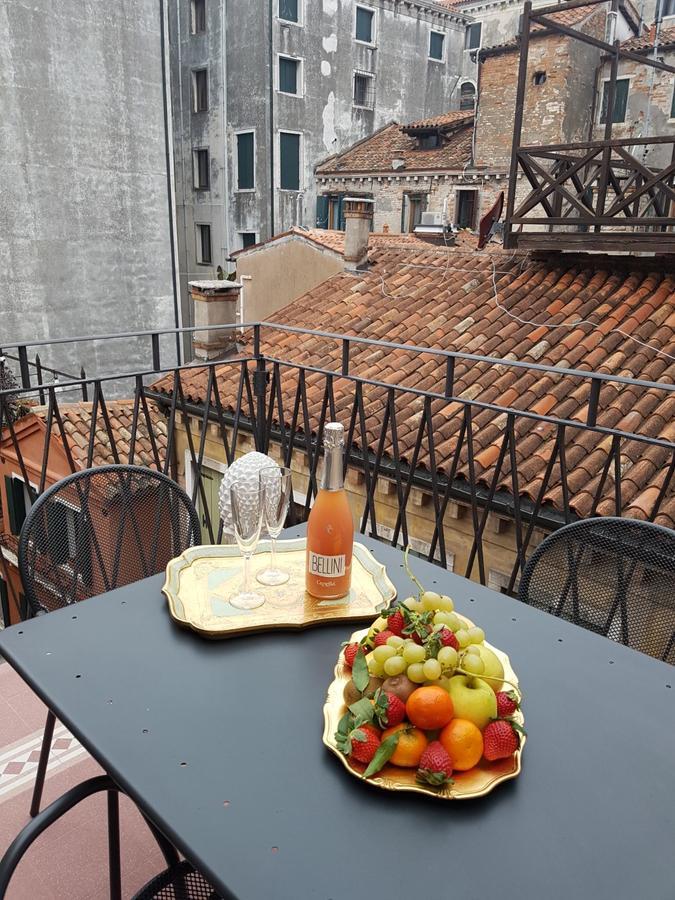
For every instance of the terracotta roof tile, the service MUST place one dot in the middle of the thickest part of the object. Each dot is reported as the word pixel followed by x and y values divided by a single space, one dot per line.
pixel 647 39
pixel 446 300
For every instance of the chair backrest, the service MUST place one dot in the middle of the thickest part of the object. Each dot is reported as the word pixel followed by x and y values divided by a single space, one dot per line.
pixel 613 576
pixel 100 529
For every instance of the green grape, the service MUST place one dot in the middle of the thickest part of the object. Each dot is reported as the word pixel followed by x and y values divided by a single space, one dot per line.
pixel 443 618
pixel 375 667
pixel 430 600
pixel 395 641
pixel 477 635
pixel 384 652
pixel 448 658
pixel 454 622
pixel 463 637
pixel 472 650
pixel 413 653
pixel 432 669
pixel 413 604
pixel 474 665
pixel 395 665
pixel 416 673
pixel 445 604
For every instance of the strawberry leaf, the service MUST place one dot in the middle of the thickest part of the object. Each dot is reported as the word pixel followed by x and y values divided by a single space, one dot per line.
pixel 345 724
pixel 362 711
pixel 360 674
pixel 383 754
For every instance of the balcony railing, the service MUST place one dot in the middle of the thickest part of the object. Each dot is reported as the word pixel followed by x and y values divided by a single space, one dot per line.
pixel 446 469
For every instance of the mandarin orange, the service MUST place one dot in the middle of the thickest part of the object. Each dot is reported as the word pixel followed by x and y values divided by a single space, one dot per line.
pixel 463 742
pixel 429 707
pixel 411 745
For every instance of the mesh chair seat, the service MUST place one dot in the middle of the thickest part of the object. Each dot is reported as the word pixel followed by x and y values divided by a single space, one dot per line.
pixel 180 882
pixel 613 576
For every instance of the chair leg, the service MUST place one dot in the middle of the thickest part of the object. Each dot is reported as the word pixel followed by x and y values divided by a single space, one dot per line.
pixel 42 763
pixel 114 846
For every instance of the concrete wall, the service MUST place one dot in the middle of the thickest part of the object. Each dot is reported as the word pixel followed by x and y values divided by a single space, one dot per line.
pixel 274 275
pixel 84 234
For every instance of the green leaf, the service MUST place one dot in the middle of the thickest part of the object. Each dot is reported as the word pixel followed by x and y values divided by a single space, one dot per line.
pixel 360 673
pixel 383 754
pixel 359 735
pixel 362 711
pixel 345 724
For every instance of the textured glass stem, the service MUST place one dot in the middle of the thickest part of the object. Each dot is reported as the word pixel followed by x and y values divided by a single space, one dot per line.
pixel 247 572
pixel 273 555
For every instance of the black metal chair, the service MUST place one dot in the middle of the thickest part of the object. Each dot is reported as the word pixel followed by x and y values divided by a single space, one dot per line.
pixel 613 576
pixel 179 881
pixel 96 530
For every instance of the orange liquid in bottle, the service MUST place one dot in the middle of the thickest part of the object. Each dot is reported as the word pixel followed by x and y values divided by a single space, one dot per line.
pixel 330 528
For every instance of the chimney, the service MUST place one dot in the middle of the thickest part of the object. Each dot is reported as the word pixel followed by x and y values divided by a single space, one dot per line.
pixel 214 303
pixel 358 212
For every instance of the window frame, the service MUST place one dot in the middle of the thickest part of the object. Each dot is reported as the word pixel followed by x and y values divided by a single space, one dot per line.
pixel 237 189
pixel 256 237
pixel 193 17
pixel 441 58
pixel 658 12
pixel 373 25
pixel 480 37
pixel 301 158
pixel 199 244
pixel 476 207
pixel 601 104
pixel 195 73
pixel 196 184
pixel 299 75
pixel 359 73
pixel 301 17
pixel 410 201
pixel 475 94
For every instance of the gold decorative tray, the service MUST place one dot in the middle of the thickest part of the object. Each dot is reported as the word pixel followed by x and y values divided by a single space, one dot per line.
pixel 200 582
pixel 477 782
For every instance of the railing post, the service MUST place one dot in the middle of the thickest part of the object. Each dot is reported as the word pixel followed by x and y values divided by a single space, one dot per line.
pixel 449 376
pixel 38 375
pixel 24 368
pixel 345 357
pixel 260 391
pixel 156 365
pixel 593 402
pixel 518 119
pixel 83 376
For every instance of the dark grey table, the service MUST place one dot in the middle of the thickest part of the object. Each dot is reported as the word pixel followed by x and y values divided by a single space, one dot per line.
pixel 220 745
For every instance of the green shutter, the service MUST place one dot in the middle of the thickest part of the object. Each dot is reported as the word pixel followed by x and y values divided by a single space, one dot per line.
pixel 245 162
pixel 620 101
pixel 288 10
pixel 16 503
pixel 9 493
pixel 288 75
pixel 289 161
pixel 322 211
pixel 364 25
pixel 436 45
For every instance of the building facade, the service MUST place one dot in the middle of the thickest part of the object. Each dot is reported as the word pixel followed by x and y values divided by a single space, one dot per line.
pixel 264 90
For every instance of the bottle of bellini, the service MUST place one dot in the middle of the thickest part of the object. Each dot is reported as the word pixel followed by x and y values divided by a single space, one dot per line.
pixel 330 527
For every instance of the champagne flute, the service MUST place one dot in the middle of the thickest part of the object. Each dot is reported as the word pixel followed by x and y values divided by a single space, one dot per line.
pixel 275 484
pixel 247 512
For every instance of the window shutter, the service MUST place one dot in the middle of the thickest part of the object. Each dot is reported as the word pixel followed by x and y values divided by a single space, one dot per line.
pixel 322 211
pixel 288 10
pixel 620 101
pixel 364 25
pixel 9 493
pixel 16 503
pixel 288 75
pixel 245 168
pixel 4 604
pixel 289 153
pixel 341 213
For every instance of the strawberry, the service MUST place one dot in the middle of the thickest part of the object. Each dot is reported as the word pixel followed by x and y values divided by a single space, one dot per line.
pixel 389 709
pixel 507 703
pixel 435 765
pixel 350 652
pixel 382 637
pixel 500 739
pixel 365 741
pixel 448 638
pixel 396 622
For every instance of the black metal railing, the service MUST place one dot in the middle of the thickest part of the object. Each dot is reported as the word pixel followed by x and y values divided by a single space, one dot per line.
pixel 449 450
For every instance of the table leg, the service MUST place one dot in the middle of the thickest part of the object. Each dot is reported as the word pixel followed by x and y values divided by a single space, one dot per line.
pixel 114 846
pixel 45 750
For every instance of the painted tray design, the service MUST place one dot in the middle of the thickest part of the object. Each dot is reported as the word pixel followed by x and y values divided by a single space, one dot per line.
pixel 200 582
pixel 477 782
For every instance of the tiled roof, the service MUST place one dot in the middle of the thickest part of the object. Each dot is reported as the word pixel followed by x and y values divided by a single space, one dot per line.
pixel 436 299
pixel 376 153
pixel 646 40
pixel 77 421
pixel 331 239
pixel 443 121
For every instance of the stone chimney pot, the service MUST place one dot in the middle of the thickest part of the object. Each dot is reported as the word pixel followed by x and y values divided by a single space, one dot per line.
pixel 214 303
pixel 358 213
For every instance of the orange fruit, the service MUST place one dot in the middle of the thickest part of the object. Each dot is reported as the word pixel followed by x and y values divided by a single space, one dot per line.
pixel 411 745
pixel 429 707
pixel 463 742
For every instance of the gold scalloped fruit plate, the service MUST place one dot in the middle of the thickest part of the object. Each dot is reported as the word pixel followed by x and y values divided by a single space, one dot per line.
pixel 477 782
pixel 200 582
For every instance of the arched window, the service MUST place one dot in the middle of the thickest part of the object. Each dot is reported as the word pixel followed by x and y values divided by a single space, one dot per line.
pixel 467 96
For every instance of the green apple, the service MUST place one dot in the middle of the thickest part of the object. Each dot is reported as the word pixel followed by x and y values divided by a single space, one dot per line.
pixel 493 667
pixel 473 699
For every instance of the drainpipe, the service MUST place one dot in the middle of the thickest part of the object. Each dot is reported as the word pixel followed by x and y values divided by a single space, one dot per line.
pixel 226 174
pixel 271 148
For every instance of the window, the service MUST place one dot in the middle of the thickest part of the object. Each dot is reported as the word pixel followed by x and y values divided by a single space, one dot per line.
pixel 246 161
pixel 20 498
pixel 473 34
pixel 200 90
pixel 4 604
pixel 620 100
pixel 200 170
pixel 436 48
pixel 413 207
pixel 288 10
pixel 364 25
pixel 364 90
pixel 466 209
pixel 203 245
pixel 198 19
pixel 429 141
pixel 467 96
pixel 289 161
pixel 666 8
pixel 289 75
pixel 248 239
pixel 539 78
